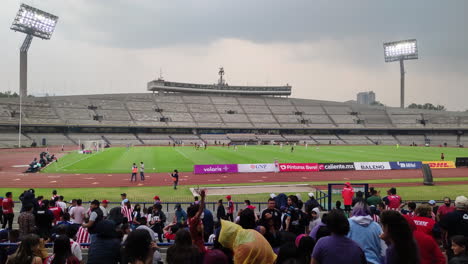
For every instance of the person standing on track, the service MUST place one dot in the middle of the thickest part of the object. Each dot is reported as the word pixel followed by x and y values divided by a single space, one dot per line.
pixel 442 156
pixel 175 178
pixel 142 171
pixel 134 172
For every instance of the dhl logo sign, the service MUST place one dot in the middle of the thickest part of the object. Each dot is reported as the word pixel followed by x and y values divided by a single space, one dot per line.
pixel 440 164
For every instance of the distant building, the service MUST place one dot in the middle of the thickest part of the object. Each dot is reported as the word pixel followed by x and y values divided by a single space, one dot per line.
pixel 366 98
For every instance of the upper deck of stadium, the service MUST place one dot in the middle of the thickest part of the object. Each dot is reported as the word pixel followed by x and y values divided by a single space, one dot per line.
pixel 210 111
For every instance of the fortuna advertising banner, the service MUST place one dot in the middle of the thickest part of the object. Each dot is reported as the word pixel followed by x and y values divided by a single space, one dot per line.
pixel 215 168
pixel 290 167
pixel 372 166
pixel 260 167
pixel 440 164
pixel 405 165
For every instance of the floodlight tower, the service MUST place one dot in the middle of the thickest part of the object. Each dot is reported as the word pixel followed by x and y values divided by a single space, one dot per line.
pixel 401 51
pixel 34 23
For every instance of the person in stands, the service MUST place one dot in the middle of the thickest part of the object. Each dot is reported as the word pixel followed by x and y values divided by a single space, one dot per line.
pixel 402 248
pixel 183 251
pixel 140 247
pixel 392 200
pixel 220 211
pixel 347 194
pixel 248 245
pixel 460 250
pixel 445 209
pixel 26 251
pixel 105 247
pixel 424 222
pixel 455 223
pixel 366 232
pixel 26 221
pixel 230 209
pixel 429 251
pixel 326 248
pixel 7 210
pixel 95 217
pixel 195 223
pixel 62 252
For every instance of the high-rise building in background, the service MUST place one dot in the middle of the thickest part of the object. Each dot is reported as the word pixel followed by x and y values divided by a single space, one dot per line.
pixel 366 98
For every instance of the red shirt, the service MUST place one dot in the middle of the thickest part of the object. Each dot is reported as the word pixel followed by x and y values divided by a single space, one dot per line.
pixel 197 235
pixel 347 195
pixel 443 210
pixel 394 202
pixel 57 211
pixel 429 251
pixel 8 206
pixel 169 236
pixel 230 207
pixel 1 202
pixel 424 224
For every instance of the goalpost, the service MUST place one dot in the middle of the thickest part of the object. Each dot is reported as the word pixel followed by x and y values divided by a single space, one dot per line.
pixel 91 146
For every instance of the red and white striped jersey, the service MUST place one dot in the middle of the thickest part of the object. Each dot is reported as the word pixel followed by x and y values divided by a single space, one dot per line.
pixel 82 236
pixel 127 212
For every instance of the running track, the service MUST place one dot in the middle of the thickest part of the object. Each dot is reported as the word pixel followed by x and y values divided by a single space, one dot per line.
pixel 11 176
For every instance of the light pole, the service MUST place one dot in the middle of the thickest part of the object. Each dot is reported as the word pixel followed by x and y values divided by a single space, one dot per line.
pixel 401 51
pixel 34 23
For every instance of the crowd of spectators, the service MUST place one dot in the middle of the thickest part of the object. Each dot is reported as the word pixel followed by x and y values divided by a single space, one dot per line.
pixel 370 229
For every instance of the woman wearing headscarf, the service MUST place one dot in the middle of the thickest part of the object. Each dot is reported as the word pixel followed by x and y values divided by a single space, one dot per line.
pixel 248 245
pixel 366 232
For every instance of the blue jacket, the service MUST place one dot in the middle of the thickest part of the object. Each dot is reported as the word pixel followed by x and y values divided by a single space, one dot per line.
pixel 366 232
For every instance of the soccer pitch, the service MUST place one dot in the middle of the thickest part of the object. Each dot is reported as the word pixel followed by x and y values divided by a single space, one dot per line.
pixel 166 159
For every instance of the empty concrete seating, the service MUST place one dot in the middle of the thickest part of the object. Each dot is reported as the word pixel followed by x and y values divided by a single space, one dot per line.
pixel 267 137
pixel 237 109
pixel 405 119
pixel 296 137
pixel 256 109
pixel 77 137
pixel 145 136
pixel 168 99
pixel 241 137
pixel 52 139
pixel 185 136
pixel 288 119
pixel 141 105
pixel 224 100
pixel 171 107
pixel 146 116
pixel 441 120
pixel 310 110
pixel 207 118
pixel 117 115
pixel 10 140
pixel 277 101
pixel 108 104
pixel 410 139
pixel 317 119
pixel 234 118
pixel 327 139
pixel 75 113
pixel 356 139
pixel 337 110
pixel 344 119
pixel 201 108
pixel 436 140
pixel 262 119
pixel 383 139
pixel 282 109
pixel 122 138
pixel 196 99
pixel 251 101
pixel 178 117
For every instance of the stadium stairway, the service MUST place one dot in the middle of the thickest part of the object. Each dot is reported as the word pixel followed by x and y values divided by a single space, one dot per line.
pixel 338 136
pixel 139 139
pixel 328 115
pixel 71 139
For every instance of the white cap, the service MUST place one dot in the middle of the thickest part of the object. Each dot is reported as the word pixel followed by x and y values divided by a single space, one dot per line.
pixel 311 194
pixel 461 202
pixel 272 195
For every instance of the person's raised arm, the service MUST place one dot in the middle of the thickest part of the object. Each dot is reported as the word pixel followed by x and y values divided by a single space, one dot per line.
pixel 202 204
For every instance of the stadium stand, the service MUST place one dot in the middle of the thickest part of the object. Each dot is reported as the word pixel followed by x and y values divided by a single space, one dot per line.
pixel 140 113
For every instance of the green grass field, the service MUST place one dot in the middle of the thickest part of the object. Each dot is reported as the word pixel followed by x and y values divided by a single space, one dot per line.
pixel 166 159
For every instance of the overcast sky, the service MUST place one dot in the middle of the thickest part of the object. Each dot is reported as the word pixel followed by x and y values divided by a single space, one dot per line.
pixel 328 50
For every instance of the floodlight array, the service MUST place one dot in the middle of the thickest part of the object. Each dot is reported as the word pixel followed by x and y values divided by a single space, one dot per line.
pixel 35 22
pixel 401 50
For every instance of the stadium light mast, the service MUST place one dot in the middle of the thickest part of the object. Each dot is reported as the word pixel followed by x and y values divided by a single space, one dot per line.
pixel 34 23
pixel 401 51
